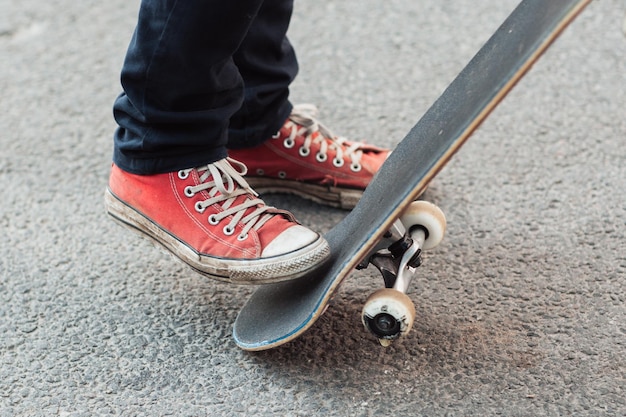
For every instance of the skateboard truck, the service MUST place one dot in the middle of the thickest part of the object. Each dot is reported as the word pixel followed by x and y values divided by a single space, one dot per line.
pixel 396 256
pixel 389 313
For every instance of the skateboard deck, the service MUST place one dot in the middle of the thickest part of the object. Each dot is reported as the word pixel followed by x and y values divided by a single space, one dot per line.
pixel 278 313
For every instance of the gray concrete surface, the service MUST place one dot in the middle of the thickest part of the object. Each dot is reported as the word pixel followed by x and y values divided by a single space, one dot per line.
pixel 520 311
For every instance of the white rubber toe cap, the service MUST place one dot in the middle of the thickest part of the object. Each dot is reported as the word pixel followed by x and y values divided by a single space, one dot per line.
pixel 292 239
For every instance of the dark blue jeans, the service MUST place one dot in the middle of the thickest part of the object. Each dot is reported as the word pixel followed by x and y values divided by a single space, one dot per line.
pixel 201 76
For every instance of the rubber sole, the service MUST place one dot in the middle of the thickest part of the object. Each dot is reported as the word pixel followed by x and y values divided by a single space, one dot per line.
pixel 281 268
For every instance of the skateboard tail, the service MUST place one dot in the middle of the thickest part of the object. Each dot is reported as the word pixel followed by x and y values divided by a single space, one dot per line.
pixel 284 299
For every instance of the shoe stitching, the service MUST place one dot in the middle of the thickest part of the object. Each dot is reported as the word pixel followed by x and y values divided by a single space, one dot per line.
pixel 246 252
pixel 314 167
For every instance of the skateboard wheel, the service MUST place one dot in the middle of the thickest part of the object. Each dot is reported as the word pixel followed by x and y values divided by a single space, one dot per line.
pixel 388 314
pixel 427 216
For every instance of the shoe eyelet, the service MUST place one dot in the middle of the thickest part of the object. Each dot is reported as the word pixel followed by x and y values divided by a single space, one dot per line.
pixel 260 172
pixel 304 152
pixel 289 143
pixel 282 175
pixel 355 167
pixel 199 207
pixel 183 174
pixel 276 135
pixel 228 231
pixel 241 238
pixel 213 220
pixel 321 157
pixel 338 162
pixel 189 192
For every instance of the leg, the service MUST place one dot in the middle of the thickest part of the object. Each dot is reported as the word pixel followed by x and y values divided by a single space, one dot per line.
pixel 170 179
pixel 303 158
pixel 181 85
pixel 268 65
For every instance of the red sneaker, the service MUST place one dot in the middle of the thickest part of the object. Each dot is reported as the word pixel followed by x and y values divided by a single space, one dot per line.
pixel 212 220
pixel 306 159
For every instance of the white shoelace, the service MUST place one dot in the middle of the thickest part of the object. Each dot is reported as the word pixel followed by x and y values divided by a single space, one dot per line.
pixel 304 123
pixel 227 183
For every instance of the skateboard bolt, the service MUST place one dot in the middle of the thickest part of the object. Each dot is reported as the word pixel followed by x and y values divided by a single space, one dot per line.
pixel 384 325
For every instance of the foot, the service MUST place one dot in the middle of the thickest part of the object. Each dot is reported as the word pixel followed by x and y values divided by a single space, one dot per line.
pixel 212 220
pixel 306 159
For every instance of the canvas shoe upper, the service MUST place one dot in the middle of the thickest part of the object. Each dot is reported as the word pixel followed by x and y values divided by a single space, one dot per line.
pixel 211 219
pixel 307 159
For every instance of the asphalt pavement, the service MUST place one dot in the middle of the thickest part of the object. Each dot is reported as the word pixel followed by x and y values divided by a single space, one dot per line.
pixel 520 312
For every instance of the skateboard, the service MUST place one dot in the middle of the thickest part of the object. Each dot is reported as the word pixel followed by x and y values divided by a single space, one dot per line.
pixel 388 228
